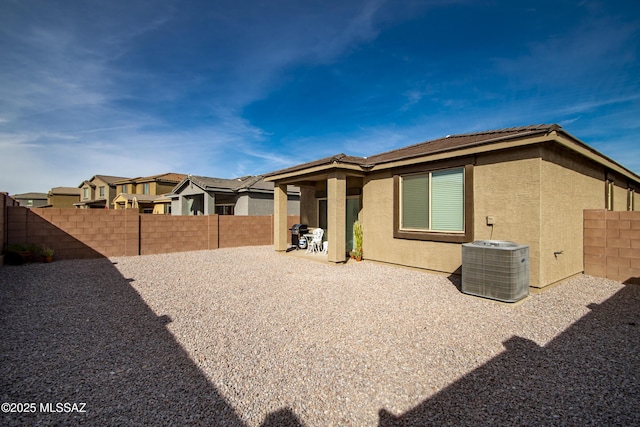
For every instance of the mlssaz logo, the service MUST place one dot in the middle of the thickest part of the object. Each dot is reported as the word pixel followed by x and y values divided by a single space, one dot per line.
pixel 63 407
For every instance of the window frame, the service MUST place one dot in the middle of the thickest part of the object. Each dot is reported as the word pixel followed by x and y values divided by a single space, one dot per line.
pixel 436 236
pixel 225 208
pixel 609 189
pixel 324 224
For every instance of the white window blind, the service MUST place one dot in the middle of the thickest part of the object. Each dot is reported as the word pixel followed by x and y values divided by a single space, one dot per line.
pixel 433 201
pixel 447 200
pixel 415 201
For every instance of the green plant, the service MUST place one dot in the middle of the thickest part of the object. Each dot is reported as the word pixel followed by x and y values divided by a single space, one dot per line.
pixel 16 248
pixel 47 252
pixel 19 253
pixel 34 248
pixel 357 237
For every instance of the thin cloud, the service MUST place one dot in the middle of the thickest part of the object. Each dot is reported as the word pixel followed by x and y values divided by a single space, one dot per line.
pixel 141 88
pixel 569 121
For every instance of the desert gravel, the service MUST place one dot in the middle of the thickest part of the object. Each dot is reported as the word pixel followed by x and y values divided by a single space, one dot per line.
pixel 250 337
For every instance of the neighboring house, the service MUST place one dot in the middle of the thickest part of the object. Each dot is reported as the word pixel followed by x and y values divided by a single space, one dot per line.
pixel 418 204
pixel 63 197
pixel 162 205
pixel 31 200
pixel 248 195
pixel 98 192
pixel 147 194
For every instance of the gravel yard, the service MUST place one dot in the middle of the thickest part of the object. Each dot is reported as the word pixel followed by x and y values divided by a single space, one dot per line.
pixel 249 337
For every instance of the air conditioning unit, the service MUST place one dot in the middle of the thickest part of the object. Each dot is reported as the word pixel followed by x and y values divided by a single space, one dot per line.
pixel 495 269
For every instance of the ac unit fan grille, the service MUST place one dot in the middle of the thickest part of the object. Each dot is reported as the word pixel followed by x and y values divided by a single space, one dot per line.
pixel 495 269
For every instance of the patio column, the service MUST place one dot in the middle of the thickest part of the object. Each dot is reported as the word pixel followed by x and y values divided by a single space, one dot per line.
pixel 209 207
pixel 337 215
pixel 280 217
pixel 184 210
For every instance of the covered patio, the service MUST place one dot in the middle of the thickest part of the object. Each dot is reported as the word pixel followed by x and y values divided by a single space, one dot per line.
pixel 330 198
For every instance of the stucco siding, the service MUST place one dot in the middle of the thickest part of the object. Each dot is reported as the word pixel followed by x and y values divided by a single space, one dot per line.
pixel 293 206
pixel 62 201
pixel 619 196
pixel 308 206
pixel 379 243
pixel 568 187
pixel 507 188
pixel 532 201
pixel 536 197
pixel 262 204
pixel 242 205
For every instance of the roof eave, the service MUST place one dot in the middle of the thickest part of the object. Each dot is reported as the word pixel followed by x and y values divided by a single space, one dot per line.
pixel 524 136
pixel 314 170
pixel 567 140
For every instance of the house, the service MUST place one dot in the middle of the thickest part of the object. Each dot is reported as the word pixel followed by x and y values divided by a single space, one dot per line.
pixel 147 194
pixel 162 204
pixel 31 200
pixel 63 197
pixel 248 195
pixel 419 203
pixel 98 192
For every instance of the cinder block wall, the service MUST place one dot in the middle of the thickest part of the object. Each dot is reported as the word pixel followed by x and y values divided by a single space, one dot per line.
pixel 165 233
pixel 75 233
pixel 612 245
pixel 5 201
pixel 91 233
pixel 237 231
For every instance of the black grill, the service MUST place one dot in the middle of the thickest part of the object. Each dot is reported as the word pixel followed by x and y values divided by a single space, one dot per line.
pixel 298 230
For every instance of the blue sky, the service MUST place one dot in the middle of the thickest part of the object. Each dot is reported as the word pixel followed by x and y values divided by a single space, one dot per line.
pixel 232 88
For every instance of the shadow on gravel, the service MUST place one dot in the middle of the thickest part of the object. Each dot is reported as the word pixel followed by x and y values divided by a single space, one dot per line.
pixel 282 418
pixel 587 375
pixel 27 227
pixel 88 337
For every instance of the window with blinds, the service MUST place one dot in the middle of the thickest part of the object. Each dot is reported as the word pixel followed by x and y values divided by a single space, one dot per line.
pixel 433 201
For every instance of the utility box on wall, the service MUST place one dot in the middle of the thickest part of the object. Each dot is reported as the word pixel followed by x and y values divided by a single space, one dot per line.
pixel 495 269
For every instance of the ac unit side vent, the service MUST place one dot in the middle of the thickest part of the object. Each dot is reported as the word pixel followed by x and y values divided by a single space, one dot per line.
pixel 495 269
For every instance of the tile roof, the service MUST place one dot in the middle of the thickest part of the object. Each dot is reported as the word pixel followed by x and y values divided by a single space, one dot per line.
pixel 447 143
pixel 451 142
pixel 233 185
pixel 109 179
pixel 170 177
pixel 336 158
pixel 216 183
pixel 30 196
pixel 71 191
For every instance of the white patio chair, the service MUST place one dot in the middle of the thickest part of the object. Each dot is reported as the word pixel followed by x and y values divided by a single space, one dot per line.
pixel 316 242
pixel 309 238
